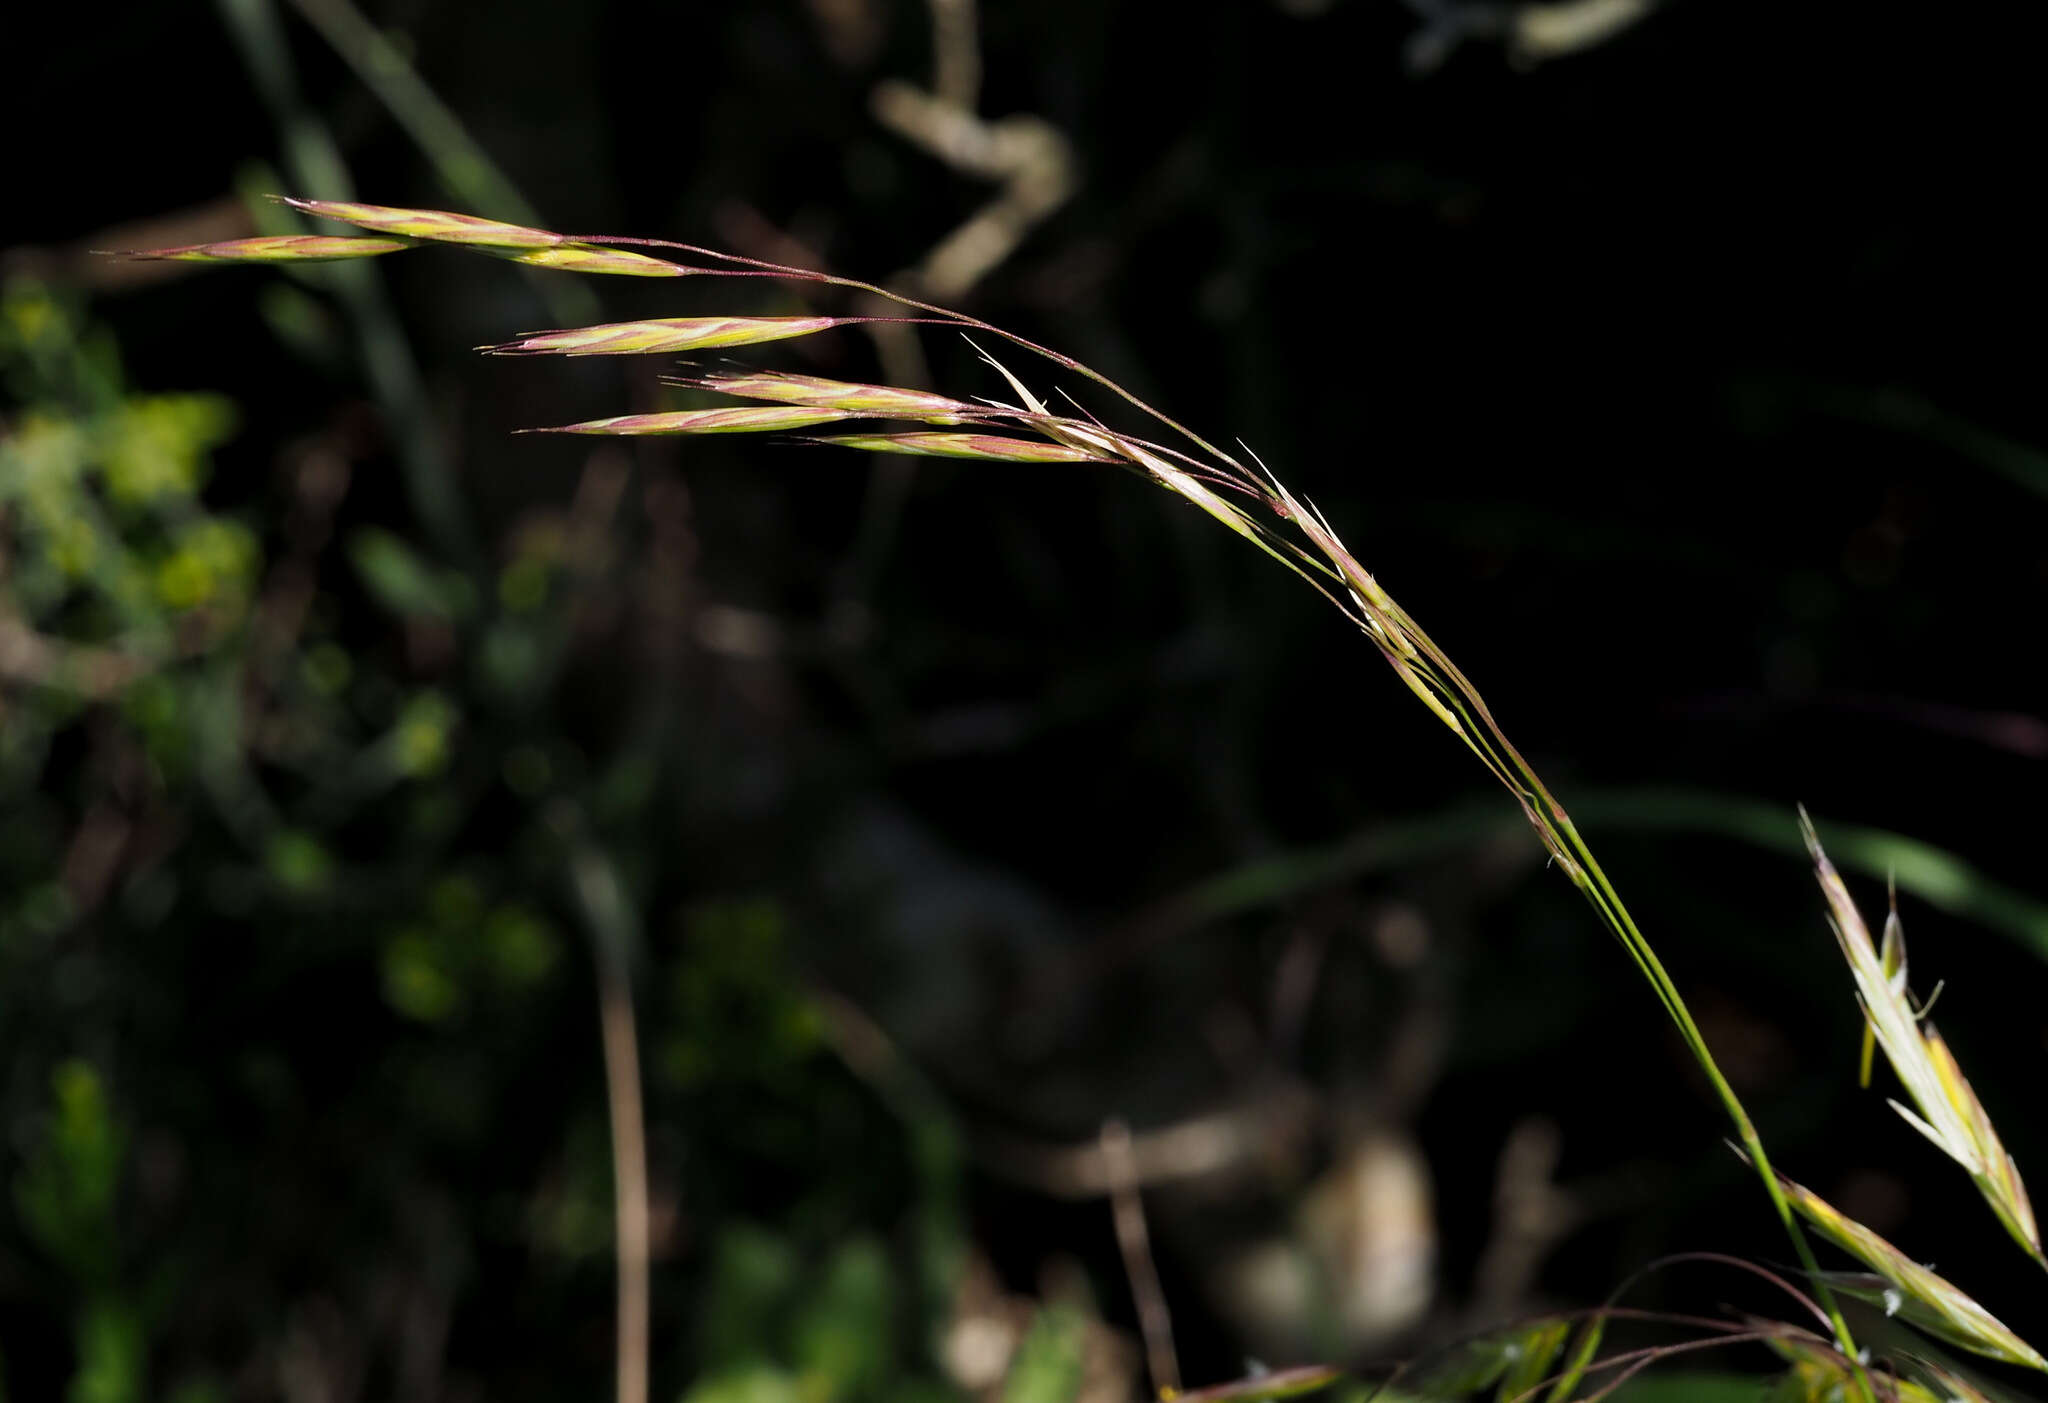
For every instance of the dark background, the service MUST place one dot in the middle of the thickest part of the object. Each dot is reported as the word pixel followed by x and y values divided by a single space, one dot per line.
pixel 1685 386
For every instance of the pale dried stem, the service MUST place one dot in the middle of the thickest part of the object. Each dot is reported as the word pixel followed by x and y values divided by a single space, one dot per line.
pixel 629 1158
pixel 1155 1321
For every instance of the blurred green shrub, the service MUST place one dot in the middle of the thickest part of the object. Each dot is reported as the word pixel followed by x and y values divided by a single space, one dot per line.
pixel 296 1024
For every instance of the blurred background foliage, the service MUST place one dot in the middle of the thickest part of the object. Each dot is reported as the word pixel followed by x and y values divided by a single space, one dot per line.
pixel 1669 362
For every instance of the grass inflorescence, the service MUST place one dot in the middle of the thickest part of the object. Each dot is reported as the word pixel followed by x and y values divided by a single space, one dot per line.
pixel 1253 503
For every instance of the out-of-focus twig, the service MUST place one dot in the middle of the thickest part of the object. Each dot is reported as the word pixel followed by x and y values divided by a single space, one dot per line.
pixel 1542 32
pixel 1155 1321
pixel 1532 33
pixel 851 30
pixel 1034 166
pixel 629 1154
pixel 956 53
pixel 1026 153
pixel 1531 1214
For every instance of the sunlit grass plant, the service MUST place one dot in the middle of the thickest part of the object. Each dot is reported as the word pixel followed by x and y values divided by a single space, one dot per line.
pixel 1547 1359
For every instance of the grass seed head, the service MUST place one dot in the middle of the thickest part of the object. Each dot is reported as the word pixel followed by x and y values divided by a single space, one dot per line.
pixel 1172 477
pixel 537 247
pixel 666 334
pixel 1999 1179
pixel 1418 662
pixel 273 248
pixel 880 401
pixel 436 225
pixel 1948 1111
pixel 989 448
pixel 589 258
pixel 751 419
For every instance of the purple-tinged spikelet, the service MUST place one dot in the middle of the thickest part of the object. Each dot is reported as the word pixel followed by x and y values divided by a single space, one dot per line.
pixel 881 401
pixel 665 334
pixel 589 258
pixel 749 420
pixel 537 247
pixel 437 225
pixel 991 448
pixel 273 248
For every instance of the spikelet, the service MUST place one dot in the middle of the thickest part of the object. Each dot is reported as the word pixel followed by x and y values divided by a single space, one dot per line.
pixel 589 258
pixel 877 401
pixel 750 420
pixel 1949 1113
pixel 440 226
pixel 405 228
pixel 665 334
pixel 989 448
pixel 514 241
pixel 1172 477
pixel 273 248
pixel 1924 1298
